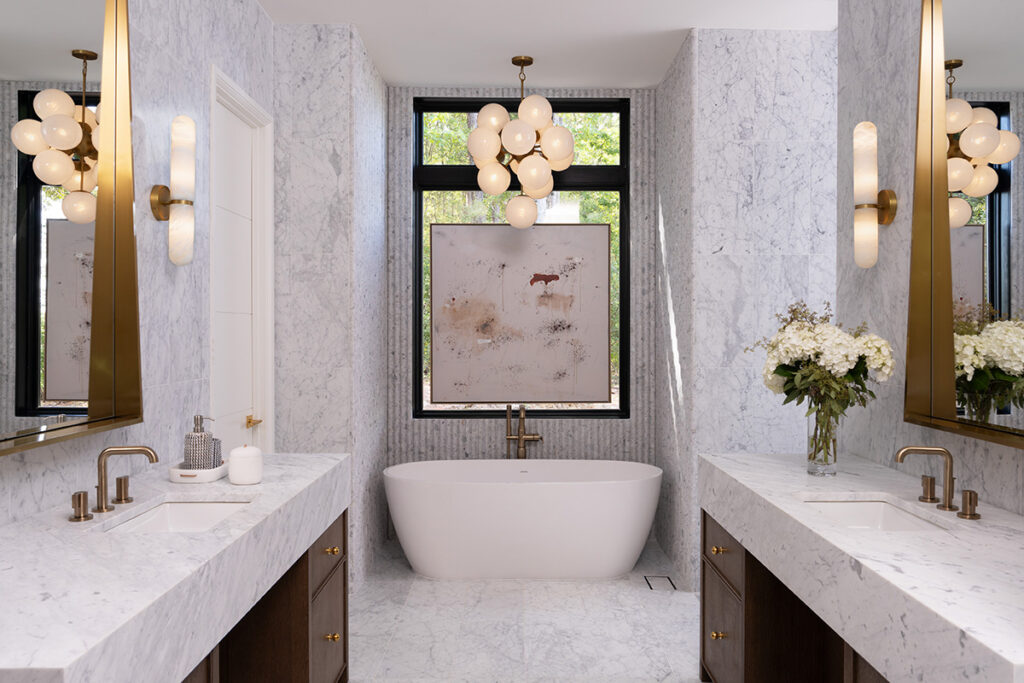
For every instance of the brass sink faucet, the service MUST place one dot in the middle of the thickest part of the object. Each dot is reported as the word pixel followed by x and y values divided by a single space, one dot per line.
pixel 947 474
pixel 102 503
pixel 520 437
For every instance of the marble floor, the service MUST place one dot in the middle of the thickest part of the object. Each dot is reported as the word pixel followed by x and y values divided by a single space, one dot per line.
pixel 404 627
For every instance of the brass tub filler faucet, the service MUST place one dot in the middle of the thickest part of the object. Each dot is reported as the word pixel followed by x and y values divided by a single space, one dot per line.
pixel 520 437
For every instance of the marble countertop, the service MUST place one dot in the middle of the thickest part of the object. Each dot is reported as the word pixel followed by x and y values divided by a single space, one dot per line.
pixel 78 604
pixel 936 606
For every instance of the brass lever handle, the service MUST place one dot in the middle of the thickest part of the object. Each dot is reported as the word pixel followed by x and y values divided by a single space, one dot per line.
pixel 333 637
pixel 718 635
pixel 332 550
pixel 718 550
pixel 250 422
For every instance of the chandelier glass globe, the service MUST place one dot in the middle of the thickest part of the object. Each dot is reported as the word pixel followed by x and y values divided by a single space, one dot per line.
pixel 51 102
pixel 960 173
pixel 521 212
pixel 959 212
pixel 27 136
pixel 61 132
pixel 493 178
pixel 79 207
pixel 983 182
pixel 53 167
pixel 979 140
pixel 493 116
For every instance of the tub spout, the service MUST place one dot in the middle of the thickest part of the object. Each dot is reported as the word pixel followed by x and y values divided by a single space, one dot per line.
pixel 520 437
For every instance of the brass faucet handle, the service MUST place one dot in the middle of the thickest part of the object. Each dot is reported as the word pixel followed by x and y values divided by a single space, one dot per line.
pixel 80 507
pixel 121 489
pixel 970 501
pixel 928 490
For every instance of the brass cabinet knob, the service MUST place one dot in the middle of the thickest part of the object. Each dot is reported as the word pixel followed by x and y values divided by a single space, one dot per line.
pixel 718 635
pixel 333 637
pixel 332 550
pixel 718 550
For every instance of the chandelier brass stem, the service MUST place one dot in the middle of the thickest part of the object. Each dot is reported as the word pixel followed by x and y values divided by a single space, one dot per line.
pixel 522 61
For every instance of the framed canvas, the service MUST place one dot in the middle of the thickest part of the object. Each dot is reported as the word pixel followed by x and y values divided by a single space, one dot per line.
pixel 69 268
pixel 520 316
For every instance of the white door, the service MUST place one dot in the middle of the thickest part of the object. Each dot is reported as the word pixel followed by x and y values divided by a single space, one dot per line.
pixel 240 371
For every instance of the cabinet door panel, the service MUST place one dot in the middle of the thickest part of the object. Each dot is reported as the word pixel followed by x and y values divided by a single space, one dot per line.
pixel 723 616
pixel 328 632
pixel 326 552
pixel 724 552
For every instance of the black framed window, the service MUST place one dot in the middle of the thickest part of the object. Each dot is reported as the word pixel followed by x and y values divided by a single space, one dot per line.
pixel 37 202
pixel 595 189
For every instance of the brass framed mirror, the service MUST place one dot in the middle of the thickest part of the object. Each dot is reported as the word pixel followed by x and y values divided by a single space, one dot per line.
pixel 965 346
pixel 69 299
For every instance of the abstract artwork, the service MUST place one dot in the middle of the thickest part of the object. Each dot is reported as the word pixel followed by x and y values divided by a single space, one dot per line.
pixel 69 266
pixel 519 316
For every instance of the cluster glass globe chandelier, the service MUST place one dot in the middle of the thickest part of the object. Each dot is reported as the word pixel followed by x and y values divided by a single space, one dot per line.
pixel 530 146
pixel 975 145
pixel 63 144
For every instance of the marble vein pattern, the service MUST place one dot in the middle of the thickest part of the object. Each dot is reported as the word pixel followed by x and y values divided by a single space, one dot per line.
pixel 938 605
pixel 878 72
pixel 77 600
pixel 331 268
pixel 405 627
pixel 170 72
pixel 746 225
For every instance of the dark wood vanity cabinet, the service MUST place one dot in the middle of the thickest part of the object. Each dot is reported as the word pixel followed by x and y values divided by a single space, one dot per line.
pixel 298 631
pixel 754 629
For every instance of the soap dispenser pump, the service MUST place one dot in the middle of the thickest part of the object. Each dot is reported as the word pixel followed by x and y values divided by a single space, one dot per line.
pixel 199 449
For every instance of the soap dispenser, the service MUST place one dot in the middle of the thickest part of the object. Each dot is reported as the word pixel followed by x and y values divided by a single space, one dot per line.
pixel 199 451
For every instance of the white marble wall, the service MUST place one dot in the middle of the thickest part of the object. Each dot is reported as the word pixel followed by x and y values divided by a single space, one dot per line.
pixel 747 190
pixel 878 61
pixel 426 439
pixel 173 45
pixel 330 106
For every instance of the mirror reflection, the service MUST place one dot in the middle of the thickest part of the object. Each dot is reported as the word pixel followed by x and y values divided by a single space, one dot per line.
pixel 985 102
pixel 50 68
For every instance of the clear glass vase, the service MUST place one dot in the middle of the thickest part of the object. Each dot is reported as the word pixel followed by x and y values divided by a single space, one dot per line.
pixel 822 443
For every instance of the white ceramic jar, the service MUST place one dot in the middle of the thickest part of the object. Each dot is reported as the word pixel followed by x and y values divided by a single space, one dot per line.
pixel 245 465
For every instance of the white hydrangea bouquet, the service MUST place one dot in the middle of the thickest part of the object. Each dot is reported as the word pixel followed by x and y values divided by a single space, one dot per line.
pixel 811 359
pixel 989 361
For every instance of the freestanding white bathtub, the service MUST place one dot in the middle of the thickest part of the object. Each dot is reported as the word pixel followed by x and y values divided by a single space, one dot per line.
pixel 550 519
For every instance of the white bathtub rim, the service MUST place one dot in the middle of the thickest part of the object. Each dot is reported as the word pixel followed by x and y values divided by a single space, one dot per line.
pixel 652 472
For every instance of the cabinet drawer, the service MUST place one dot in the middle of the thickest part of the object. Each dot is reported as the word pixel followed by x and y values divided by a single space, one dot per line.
pixel 722 614
pixel 326 552
pixel 327 618
pixel 724 552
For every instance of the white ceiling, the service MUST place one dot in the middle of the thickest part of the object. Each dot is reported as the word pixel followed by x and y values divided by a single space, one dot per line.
pixel 576 43
pixel 989 36
pixel 36 38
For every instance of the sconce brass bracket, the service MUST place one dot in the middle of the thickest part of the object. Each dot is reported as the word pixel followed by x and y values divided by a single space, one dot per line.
pixel 887 205
pixel 160 202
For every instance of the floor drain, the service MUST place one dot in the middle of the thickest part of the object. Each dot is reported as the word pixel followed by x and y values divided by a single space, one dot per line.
pixel 660 583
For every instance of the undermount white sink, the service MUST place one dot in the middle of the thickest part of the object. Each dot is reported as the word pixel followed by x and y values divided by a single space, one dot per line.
pixel 877 515
pixel 181 517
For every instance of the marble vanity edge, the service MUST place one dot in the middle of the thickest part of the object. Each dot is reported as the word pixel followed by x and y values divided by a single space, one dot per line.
pixel 901 637
pixel 170 635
